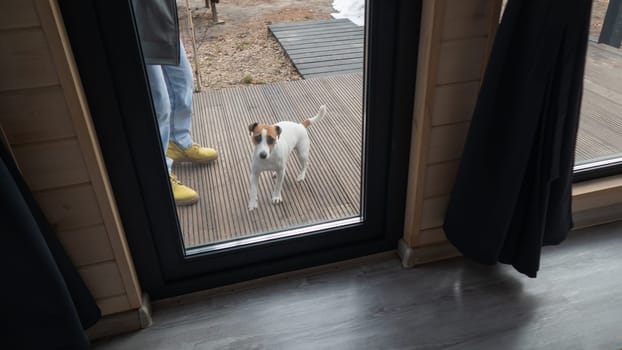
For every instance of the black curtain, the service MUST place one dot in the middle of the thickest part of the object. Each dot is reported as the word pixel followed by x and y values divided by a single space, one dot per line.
pixel 43 301
pixel 513 190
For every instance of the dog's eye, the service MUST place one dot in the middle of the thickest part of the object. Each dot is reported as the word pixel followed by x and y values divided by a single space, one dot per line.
pixel 270 140
pixel 257 138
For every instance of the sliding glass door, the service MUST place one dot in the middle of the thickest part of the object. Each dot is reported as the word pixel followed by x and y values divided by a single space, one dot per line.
pixel 350 202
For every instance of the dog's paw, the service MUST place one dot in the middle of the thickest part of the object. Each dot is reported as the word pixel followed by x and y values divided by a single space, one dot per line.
pixel 252 204
pixel 277 199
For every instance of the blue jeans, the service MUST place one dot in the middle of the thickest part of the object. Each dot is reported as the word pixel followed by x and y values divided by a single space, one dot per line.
pixel 171 89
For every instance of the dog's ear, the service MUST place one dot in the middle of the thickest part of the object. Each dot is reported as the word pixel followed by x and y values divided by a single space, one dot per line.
pixel 252 127
pixel 278 130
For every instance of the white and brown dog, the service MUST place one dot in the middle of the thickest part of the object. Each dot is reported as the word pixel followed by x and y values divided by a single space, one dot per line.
pixel 273 145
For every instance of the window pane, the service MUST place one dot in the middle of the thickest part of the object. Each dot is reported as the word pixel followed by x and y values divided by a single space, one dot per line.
pixel 273 61
pixel 600 132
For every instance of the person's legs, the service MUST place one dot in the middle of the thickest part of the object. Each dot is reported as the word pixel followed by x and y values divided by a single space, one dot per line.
pixel 180 88
pixel 183 195
pixel 162 105
pixel 180 85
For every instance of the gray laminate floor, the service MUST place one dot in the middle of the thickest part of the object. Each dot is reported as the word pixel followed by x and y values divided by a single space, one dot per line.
pixel 575 303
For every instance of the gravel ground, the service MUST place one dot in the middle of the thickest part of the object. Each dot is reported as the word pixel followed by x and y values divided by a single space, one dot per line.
pixel 241 51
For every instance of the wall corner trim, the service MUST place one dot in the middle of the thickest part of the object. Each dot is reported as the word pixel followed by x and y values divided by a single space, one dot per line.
pixel 123 322
pixel 412 257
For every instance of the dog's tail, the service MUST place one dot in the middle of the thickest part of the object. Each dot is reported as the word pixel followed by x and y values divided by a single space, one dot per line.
pixel 320 114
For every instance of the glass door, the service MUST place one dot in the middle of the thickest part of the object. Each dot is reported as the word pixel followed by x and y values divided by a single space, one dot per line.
pixel 263 68
pixel 350 202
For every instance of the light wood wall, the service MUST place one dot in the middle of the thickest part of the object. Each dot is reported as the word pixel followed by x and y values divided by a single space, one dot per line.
pixel 456 36
pixel 44 115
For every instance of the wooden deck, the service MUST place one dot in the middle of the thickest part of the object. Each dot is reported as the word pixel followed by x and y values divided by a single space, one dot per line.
pixel 332 187
pixel 321 48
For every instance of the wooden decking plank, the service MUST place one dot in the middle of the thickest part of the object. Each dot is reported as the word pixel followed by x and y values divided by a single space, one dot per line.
pixel 330 63
pixel 324 50
pixel 188 174
pixel 230 192
pixel 606 82
pixel 587 142
pixel 330 73
pixel 350 142
pixel 288 25
pixel 614 52
pixel 320 31
pixel 334 123
pixel 294 37
pixel 329 125
pixel 321 38
pixel 331 58
pixel 220 181
pixel 299 43
pixel 600 132
pixel 312 42
pixel 334 54
pixel 349 117
pixel 333 69
pixel 605 54
pixel 320 194
pixel 603 112
pixel 328 47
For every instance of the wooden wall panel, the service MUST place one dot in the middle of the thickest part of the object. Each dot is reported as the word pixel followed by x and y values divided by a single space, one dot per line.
pixel 461 60
pixel 434 212
pixel 446 142
pixel 25 60
pixel 103 280
pixel 440 178
pixel 35 115
pixel 113 305
pixel 452 57
pixel 17 14
pixel 87 245
pixel 454 103
pixel 466 19
pixel 70 208
pixel 61 55
pixel 432 13
pixel 431 236
pixel 47 124
pixel 456 36
pixel 52 164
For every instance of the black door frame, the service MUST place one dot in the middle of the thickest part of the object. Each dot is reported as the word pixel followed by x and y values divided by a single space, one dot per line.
pixel 105 45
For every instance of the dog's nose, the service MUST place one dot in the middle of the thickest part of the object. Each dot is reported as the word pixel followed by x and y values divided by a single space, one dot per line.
pixel 263 155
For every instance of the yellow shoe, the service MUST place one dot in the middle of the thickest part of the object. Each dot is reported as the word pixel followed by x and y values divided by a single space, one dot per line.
pixel 182 194
pixel 195 153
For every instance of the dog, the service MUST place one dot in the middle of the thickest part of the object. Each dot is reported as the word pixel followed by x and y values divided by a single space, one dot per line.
pixel 273 146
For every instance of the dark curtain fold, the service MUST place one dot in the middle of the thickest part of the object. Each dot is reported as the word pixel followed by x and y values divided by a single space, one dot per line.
pixel 44 302
pixel 513 189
